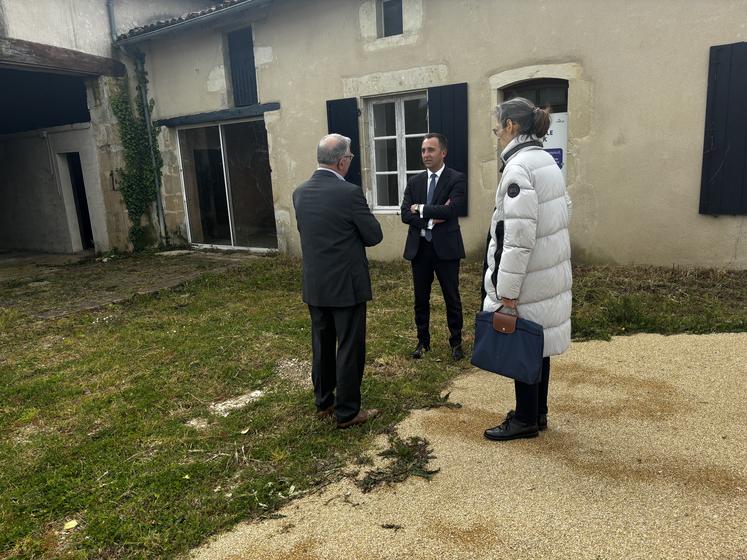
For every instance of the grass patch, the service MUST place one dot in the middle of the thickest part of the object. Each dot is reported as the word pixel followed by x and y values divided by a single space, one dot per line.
pixel 616 300
pixel 407 458
pixel 105 415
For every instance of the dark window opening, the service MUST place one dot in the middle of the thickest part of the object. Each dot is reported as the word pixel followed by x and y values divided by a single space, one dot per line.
pixel 543 93
pixel 243 72
pixel 389 18
pixel 35 100
pixel 79 196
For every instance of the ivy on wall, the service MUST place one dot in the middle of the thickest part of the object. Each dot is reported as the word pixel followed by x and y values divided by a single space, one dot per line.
pixel 137 180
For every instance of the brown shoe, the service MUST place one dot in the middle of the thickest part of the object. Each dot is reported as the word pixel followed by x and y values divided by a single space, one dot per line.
pixel 326 413
pixel 360 418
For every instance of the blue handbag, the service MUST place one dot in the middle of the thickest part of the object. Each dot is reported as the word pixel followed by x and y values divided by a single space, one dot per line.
pixel 508 345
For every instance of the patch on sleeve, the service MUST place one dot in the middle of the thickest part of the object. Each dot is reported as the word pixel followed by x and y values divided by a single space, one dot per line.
pixel 513 190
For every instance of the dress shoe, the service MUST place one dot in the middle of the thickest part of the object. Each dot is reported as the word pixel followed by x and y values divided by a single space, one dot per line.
pixel 420 351
pixel 512 428
pixel 457 353
pixel 360 418
pixel 325 413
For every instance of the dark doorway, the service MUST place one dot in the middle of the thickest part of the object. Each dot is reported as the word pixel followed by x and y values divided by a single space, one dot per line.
pixel 79 195
pixel 212 189
pixel 228 185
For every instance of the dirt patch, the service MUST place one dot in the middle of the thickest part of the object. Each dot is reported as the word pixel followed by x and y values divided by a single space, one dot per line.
pixel 295 371
pixel 224 408
pixel 47 287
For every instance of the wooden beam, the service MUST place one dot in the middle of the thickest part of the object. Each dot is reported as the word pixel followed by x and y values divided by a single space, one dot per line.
pixel 26 55
pixel 219 116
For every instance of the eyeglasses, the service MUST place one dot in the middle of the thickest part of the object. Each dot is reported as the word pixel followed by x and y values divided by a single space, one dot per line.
pixel 350 156
pixel 496 131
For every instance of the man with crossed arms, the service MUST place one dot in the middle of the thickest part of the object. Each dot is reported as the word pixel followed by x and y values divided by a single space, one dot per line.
pixel 431 206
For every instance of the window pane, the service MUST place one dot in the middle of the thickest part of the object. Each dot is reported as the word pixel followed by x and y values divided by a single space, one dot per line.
pixel 392 15
pixel 414 158
pixel 416 116
pixel 250 184
pixel 386 155
pixel 555 97
pixel 387 190
pixel 204 187
pixel 384 121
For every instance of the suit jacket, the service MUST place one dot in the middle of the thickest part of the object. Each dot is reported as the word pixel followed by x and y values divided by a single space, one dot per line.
pixel 336 225
pixel 447 237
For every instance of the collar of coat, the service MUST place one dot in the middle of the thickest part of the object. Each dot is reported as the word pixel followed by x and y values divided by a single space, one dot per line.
pixel 516 145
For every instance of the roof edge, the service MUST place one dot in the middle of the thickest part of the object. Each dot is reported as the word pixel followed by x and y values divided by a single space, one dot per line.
pixel 128 39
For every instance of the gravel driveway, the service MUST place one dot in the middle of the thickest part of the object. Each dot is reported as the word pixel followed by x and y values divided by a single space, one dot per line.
pixel 646 457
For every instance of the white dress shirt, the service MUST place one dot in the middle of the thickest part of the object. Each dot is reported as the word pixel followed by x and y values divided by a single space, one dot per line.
pixel 331 171
pixel 427 183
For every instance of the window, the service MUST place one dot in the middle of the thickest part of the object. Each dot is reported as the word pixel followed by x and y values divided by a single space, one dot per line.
pixel 394 130
pixel 395 133
pixel 389 17
pixel 542 93
pixel 243 74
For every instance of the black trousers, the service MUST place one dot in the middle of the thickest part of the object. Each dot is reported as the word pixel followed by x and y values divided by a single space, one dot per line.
pixel 531 400
pixel 424 265
pixel 338 344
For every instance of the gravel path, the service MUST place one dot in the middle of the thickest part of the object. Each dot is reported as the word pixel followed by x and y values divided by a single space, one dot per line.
pixel 645 457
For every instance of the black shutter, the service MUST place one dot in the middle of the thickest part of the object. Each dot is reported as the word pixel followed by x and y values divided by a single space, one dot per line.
pixel 447 115
pixel 723 186
pixel 243 73
pixel 342 118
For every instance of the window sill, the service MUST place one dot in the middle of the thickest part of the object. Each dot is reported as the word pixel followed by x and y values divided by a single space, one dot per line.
pixel 391 211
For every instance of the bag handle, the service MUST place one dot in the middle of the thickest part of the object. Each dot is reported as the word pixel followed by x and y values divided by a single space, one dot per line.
pixel 504 322
pixel 516 310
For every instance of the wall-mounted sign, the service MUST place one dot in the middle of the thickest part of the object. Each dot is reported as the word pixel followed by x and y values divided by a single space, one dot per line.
pixel 556 141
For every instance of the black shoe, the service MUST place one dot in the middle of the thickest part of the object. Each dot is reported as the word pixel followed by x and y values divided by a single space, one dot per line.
pixel 541 420
pixel 420 351
pixel 457 353
pixel 512 428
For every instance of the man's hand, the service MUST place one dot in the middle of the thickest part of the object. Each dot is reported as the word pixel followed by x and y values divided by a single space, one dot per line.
pixel 510 303
pixel 414 208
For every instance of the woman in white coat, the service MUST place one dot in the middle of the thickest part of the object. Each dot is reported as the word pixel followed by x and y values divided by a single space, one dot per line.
pixel 529 253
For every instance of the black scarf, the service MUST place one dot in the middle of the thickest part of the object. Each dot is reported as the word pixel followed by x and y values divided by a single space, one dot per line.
pixel 512 151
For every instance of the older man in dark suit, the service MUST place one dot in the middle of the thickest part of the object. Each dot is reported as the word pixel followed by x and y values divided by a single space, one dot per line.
pixel 432 204
pixel 336 225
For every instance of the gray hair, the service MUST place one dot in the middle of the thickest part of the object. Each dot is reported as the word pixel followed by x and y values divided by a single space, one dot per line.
pixel 331 148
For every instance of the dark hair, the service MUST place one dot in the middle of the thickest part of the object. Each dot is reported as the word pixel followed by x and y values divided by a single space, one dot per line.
pixel 441 140
pixel 531 119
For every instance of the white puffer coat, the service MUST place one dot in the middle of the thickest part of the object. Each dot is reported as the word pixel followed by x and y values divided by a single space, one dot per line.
pixel 535 255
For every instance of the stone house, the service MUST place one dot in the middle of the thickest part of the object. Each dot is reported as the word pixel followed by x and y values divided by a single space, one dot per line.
pixel 649 126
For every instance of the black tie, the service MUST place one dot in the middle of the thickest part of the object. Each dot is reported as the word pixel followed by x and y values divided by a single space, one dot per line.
pixel 428 200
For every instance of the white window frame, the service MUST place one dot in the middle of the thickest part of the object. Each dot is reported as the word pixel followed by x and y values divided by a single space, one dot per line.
pixel 400 137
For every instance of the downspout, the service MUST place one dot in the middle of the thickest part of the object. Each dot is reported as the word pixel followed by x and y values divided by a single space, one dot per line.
pixel 140 67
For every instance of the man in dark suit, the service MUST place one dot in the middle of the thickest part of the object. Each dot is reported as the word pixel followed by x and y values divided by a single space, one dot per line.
pixel 336 225
pixel 433 201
